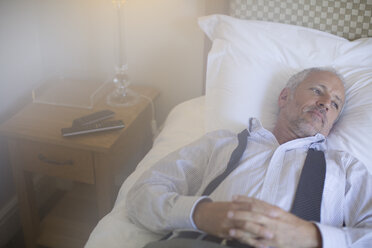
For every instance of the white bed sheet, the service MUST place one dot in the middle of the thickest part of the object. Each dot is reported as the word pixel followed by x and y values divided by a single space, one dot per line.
pixel 184 124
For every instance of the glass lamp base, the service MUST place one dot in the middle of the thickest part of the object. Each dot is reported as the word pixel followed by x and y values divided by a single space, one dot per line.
pixel 125 98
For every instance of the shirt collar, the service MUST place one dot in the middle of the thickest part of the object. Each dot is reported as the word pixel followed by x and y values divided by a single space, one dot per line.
pixel 254 125
pixel 317 141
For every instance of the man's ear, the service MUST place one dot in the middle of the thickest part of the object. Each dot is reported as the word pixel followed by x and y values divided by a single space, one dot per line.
pixel 284 97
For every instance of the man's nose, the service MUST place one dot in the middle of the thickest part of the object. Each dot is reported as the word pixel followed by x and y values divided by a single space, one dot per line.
pixel 324 102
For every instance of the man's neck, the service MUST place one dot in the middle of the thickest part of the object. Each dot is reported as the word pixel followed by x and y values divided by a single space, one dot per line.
pixel 284 134
pixel 280 136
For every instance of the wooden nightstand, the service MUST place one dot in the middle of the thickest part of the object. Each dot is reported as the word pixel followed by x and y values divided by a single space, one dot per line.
pixel 91 160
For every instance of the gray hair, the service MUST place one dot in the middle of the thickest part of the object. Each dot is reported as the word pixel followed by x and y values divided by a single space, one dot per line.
pixel 296 79
pixel 299 77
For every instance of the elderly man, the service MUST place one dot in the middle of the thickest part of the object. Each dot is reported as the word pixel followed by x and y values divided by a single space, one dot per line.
pixel 254 204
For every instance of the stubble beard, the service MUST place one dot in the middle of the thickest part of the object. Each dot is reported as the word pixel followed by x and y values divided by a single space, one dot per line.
pixel 304 128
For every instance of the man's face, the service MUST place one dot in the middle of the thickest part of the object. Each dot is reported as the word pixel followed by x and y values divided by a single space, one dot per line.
pixel 314 105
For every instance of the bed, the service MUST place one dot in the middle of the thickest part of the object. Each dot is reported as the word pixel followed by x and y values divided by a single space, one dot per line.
pixel 244 51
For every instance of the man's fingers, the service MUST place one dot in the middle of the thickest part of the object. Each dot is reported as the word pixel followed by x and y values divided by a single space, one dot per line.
pixel 248 216
pixel 255 224
pixel 254 231
pixel 255 205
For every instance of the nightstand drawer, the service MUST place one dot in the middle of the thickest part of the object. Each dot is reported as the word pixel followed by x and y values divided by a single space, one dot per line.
pixel 59 161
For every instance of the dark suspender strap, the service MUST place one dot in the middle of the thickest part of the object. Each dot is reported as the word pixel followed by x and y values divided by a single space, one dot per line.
pixel 308 199
pixel 233 162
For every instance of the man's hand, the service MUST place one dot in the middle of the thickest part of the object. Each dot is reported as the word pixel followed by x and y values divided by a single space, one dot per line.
pixel 214 218
pixel 254 226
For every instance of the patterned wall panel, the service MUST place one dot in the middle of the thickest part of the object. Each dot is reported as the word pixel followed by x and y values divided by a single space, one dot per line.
pixel 350 19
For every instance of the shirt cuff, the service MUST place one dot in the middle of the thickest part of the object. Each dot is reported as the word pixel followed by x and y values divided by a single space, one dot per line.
pixel 182 212
pixel 332 236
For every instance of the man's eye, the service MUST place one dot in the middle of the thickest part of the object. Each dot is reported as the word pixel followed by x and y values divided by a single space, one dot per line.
pixel 316 91
pixel 335 105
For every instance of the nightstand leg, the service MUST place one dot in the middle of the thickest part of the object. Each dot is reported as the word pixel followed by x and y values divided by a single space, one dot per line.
pixel 25 193
pixel 104 183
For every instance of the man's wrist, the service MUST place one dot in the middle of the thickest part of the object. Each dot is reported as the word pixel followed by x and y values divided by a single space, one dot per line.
pixel 199 213
pixel 315 240
pixel 195 212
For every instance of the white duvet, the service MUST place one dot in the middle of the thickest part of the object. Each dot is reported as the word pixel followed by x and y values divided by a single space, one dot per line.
pixel 184 124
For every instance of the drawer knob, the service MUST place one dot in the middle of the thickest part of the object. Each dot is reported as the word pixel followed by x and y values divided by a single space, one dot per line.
pixel 54 162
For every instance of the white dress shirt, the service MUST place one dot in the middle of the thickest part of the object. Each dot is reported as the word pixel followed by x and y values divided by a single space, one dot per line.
pixel 164 197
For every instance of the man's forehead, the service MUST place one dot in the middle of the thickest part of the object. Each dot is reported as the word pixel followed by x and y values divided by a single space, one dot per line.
pixel 322 75
pixel 327 80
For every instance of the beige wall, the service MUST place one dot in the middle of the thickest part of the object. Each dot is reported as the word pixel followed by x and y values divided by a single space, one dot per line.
pixel 165 48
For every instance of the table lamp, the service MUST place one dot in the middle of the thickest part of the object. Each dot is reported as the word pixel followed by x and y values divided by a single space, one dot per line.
pixel 122 96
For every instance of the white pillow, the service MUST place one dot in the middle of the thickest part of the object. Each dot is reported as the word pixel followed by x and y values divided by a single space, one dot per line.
pixel 251 61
